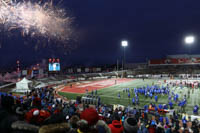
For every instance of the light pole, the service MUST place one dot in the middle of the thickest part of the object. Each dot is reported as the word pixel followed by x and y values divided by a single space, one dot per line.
pixel 124 44
pixel 189 40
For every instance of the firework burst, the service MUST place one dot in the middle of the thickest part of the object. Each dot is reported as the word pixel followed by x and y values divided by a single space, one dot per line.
pixel 36 19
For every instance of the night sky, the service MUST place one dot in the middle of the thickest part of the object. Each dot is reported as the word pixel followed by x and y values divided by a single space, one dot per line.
pixel 154 29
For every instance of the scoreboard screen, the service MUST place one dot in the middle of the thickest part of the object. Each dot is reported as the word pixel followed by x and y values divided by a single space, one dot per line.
pixel 54 65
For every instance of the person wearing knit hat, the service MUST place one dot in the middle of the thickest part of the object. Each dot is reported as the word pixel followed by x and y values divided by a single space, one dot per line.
pixel 43 115
pixel 130 125
pixel 32 115
pixel 36 116
pixel 90 115
pixel 73 121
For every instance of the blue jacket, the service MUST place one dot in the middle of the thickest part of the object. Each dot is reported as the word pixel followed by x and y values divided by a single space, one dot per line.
pixel 143 129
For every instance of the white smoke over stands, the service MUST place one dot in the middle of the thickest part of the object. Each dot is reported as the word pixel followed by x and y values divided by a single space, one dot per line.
pixel 36 19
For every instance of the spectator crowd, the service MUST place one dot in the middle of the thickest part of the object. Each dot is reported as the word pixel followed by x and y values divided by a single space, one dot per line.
pixel 41 111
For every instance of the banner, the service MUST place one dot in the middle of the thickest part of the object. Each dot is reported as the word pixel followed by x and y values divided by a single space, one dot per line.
pixel 87 70
pixel 24 72
pixel 79 70
pixel 175 61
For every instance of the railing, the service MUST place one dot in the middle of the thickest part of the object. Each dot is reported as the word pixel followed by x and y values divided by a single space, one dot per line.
pixel 6 85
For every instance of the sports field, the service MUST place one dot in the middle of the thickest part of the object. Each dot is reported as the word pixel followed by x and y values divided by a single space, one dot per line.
pixel 108 91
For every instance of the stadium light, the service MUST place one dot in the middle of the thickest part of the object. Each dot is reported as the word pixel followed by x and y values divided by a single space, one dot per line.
pixel 189 40
pixel 124 44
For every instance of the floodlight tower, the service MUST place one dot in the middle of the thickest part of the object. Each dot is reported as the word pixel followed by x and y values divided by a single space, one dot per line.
pixel 189 40
pixel 124 44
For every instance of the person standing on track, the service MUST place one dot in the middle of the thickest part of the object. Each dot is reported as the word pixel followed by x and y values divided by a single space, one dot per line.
pixel 92 92
pixel 99 101
pixel 95 91
pixel 86 91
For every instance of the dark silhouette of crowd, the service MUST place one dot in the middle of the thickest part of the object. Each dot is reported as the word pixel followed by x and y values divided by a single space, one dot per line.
pixel 41 111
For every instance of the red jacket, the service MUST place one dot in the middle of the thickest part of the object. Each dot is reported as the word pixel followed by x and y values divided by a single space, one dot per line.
pixel 38 119
pixel 152 130
pixel 116 127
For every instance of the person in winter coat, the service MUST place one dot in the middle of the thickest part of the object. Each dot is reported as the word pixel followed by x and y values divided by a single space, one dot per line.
pixel 55 128
pixel 116 127
pixel 131 125
pixel 7 114
pixel 91 122
pixel 142 129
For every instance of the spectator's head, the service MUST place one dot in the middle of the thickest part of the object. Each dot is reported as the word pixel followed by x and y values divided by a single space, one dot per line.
pixel 73 121
pixel 83 126
pixel 37 102
pixel 116 117
pixel 130 125
pixel 90 115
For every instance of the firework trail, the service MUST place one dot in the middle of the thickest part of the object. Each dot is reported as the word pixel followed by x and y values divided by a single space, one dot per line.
pixel 36 19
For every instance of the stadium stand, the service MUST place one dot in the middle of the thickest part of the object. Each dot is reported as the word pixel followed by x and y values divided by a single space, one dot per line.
pixel 41 111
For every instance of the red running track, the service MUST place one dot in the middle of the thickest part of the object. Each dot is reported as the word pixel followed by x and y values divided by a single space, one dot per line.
pixel 92 85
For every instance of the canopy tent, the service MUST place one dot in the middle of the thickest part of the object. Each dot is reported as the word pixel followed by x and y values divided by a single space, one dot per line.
pixel 23 85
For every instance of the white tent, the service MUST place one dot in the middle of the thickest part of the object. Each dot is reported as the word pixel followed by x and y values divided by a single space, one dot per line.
pixel 23 85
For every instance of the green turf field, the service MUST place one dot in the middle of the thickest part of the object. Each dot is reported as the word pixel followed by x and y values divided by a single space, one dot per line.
pixel 110 95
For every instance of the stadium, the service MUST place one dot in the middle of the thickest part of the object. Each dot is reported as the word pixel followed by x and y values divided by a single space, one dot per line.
pixel 152 87
pixel 109 85
pixel 74 66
